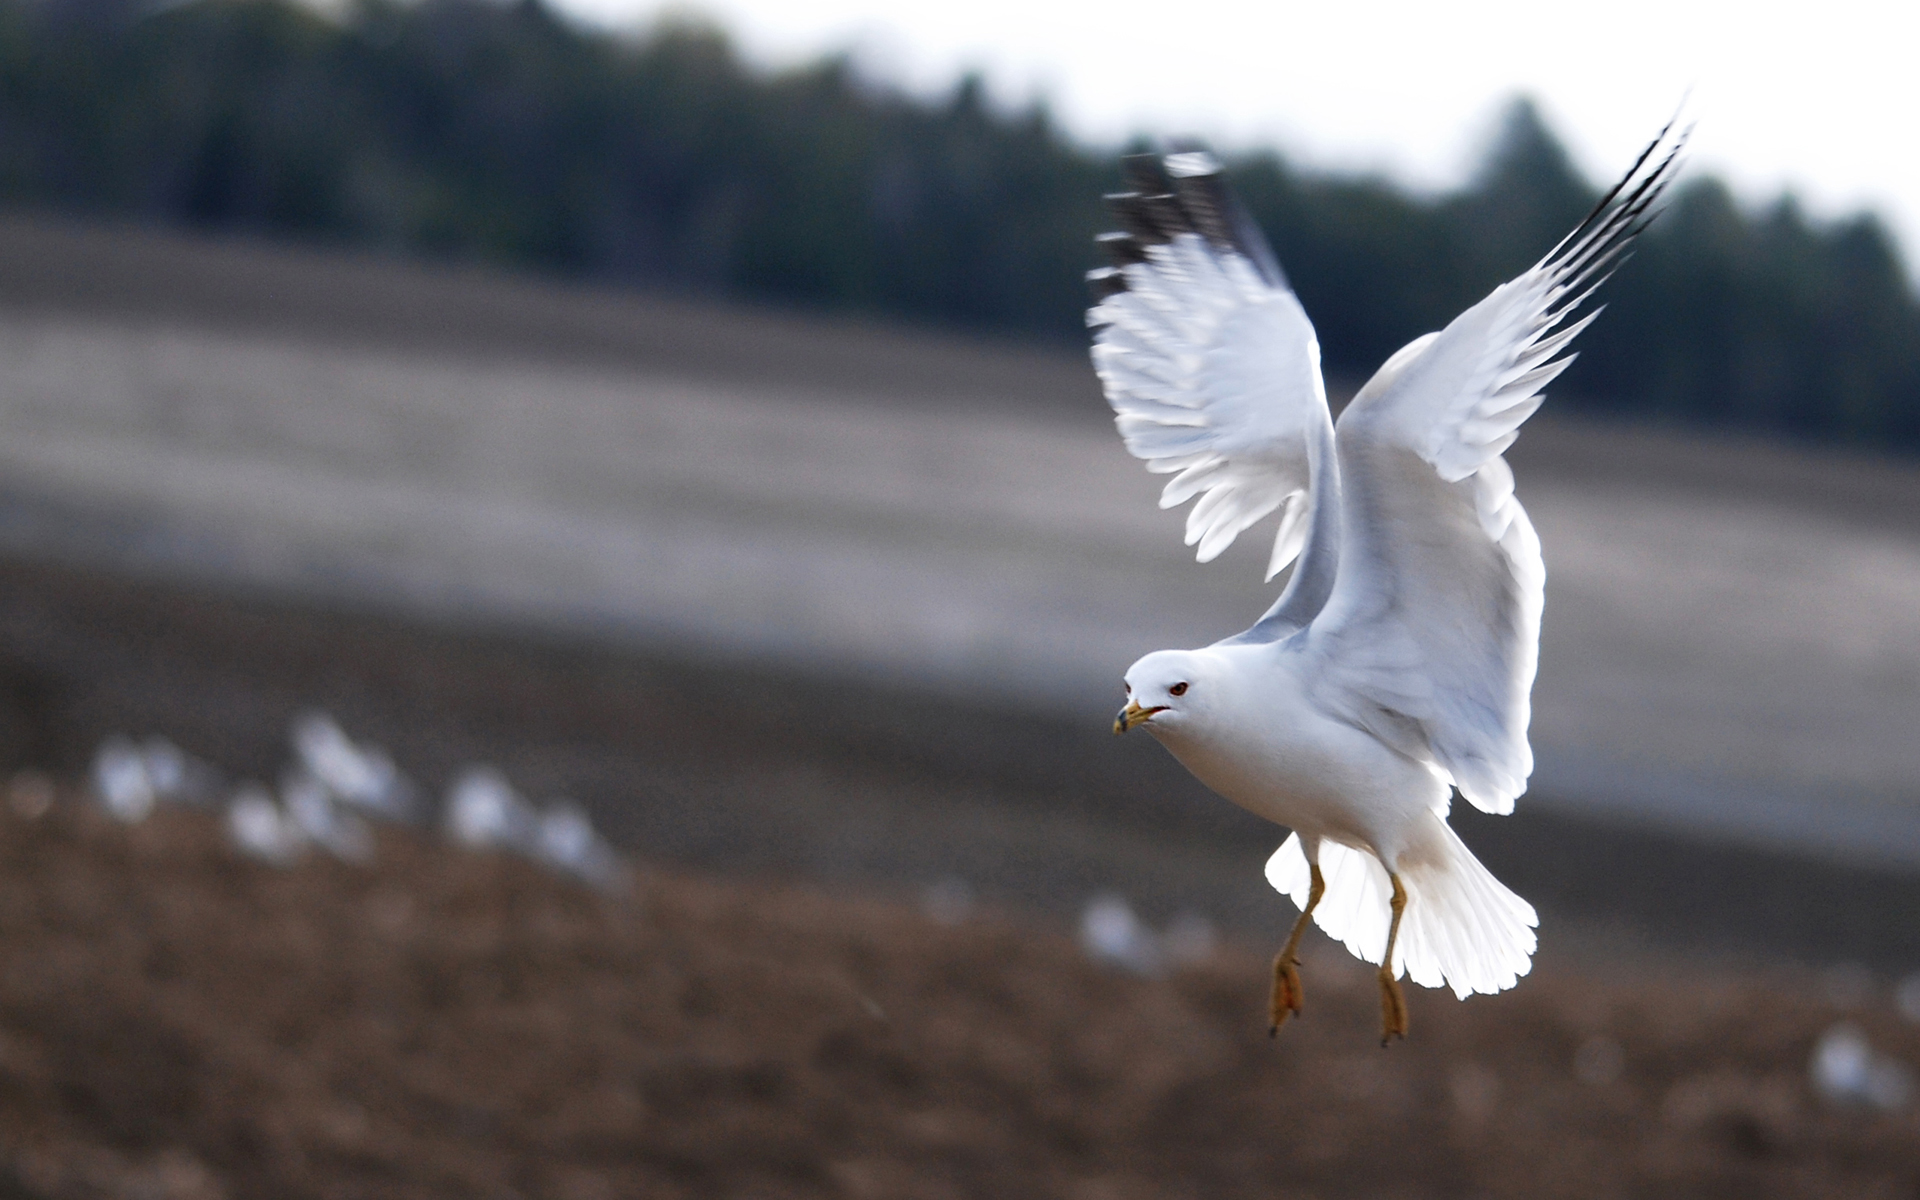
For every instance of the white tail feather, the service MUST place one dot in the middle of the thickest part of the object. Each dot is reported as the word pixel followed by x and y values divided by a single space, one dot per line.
pixel 1461 927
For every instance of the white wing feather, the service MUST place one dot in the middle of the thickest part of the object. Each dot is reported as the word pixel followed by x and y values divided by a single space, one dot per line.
pixel 1431 634
pixel 1214 377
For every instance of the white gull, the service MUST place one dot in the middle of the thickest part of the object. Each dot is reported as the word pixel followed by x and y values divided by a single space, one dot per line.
pixel 1396 666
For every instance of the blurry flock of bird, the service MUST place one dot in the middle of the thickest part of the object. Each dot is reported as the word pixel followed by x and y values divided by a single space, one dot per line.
pixel 335 789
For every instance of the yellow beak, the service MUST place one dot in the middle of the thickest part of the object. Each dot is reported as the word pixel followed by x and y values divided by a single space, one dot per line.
pixel 1133 715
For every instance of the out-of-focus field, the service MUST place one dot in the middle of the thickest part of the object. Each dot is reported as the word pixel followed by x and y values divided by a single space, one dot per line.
pixel 178 1022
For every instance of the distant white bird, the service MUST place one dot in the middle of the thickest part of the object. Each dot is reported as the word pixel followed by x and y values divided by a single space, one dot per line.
pixel 1395 667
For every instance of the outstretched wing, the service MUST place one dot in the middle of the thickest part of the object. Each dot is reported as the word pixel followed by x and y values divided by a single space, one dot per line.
pixel 1431 634
pixel 1208 359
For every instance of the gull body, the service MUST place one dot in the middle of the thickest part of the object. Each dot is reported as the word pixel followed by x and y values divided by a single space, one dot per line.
pixel 1395 669
pixel 1250 734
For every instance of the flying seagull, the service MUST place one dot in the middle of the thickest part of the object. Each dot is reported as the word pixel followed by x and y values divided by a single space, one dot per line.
pixel 1394 669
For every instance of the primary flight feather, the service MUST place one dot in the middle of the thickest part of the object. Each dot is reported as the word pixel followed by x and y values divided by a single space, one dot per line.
pixel 1396 665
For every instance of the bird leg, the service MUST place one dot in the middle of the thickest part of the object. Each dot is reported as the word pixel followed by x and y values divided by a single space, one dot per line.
pixel 1285 999
pixel 1393 1003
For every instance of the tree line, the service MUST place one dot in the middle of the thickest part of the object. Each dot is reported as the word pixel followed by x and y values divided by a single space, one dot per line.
pixel 500 132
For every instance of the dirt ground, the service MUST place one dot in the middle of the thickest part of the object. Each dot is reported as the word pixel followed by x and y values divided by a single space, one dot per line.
pixel 178 1021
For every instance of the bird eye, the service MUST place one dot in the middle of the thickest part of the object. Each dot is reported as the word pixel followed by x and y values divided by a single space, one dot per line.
pixel 1178 689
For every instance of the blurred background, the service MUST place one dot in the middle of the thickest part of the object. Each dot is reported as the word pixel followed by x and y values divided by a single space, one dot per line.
pixel 564 577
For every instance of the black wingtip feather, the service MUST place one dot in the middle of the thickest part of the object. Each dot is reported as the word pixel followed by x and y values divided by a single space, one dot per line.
pixel 1617 219
pixel 1151 220
pixel 1145 174
pixel 1166 204
pixel 1121 248
pixel 1598 246
pixel 1607 200
pixel 1206 201
pixel 1106 281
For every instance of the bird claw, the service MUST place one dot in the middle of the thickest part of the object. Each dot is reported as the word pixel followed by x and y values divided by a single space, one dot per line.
pixel 1393 1008
pixel 1287 993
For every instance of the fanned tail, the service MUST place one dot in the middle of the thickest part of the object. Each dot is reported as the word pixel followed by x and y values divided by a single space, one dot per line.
pixel 1462 927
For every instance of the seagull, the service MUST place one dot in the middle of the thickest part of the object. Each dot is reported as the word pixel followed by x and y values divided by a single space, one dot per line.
pixel 1395 668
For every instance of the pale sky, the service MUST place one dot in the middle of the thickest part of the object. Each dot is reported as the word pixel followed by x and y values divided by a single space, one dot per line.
pixel 1822 98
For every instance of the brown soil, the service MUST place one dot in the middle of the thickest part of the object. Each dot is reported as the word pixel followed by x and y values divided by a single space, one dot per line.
pixel 176 1021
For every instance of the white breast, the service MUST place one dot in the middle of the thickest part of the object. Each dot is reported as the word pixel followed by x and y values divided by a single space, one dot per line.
pixel 1264 747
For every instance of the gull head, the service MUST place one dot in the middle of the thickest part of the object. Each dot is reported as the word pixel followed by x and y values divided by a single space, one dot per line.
pixel 1166 690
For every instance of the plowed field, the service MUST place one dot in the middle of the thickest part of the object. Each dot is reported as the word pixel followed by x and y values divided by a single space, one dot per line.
pixel 177 1021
